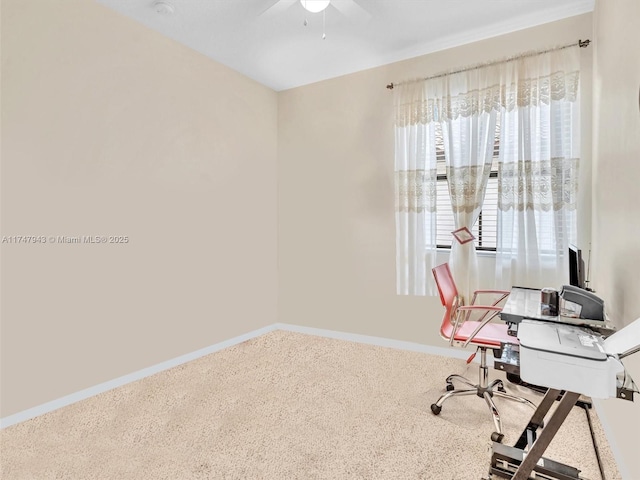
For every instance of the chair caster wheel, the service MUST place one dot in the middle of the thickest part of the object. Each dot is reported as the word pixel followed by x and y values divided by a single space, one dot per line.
pixel 449 387
pixel 497 437
pixel 435 409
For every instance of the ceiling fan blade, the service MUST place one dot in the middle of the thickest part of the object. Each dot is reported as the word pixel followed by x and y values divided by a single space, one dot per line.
pixel 351 10
pixel 278 7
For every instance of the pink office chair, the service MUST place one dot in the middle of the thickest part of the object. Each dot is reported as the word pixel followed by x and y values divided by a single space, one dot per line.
pixel 460 330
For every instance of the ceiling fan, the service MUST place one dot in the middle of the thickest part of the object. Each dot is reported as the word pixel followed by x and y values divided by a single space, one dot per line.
pixel 348 8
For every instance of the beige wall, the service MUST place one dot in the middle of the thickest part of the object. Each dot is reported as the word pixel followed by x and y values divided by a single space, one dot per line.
pixel 108 128
pixel 336 231
pixel 616 180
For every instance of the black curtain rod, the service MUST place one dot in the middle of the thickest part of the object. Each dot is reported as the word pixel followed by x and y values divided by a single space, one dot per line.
pixel 581 44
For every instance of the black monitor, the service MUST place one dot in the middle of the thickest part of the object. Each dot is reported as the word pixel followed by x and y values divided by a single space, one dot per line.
pixel 576 267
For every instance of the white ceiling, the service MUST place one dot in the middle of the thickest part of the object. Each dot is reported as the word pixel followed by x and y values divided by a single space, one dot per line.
pixel 267 41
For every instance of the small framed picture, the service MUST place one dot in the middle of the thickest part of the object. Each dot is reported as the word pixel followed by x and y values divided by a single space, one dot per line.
pixel 463 235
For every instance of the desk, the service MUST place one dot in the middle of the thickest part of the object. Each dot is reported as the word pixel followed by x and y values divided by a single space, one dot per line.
pixel 525 303
pixel 570 361
pixel 514 463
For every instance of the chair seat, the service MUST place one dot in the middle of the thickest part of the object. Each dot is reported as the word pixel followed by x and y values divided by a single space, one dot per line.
pixel 489 336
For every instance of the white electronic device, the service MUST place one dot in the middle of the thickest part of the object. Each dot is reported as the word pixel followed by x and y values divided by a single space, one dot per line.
pixel 577 359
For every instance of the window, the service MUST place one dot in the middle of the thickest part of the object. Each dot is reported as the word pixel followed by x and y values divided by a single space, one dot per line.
pixel 486 228
pixel 533 179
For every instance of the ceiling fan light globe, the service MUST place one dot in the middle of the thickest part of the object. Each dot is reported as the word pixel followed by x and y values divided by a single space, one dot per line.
pixel 315 6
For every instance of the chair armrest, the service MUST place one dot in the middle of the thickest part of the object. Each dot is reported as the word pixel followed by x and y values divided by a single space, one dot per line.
pixel 492 308
pixel 502 295
pixel 501 292
pixel 486 318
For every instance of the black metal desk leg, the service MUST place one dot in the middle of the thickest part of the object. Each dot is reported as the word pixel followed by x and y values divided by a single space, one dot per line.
pixel 548 432
pixel 538 416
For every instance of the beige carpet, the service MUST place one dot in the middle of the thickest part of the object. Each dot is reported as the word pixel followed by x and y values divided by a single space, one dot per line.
pixel 285 406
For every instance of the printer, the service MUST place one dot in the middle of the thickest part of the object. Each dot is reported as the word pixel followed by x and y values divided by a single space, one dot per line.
pixel 579 303
pixel 577 359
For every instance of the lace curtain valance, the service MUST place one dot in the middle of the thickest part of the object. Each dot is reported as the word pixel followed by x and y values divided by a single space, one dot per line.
pixel 527 81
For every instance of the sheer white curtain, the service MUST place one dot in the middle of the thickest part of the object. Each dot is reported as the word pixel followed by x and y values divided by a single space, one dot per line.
pixel 535 98
pixel 538 168
pixel 415 183
pixel 466 106
pixel 467 111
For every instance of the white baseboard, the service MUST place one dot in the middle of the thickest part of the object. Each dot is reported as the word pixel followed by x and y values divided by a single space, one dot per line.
pixel 140 374
pixel 379 341
pixel 132 377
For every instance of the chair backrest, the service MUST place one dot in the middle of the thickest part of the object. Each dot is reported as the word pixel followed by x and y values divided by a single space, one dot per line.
pixel 446 285
pixel 448 296
pixel 464 331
